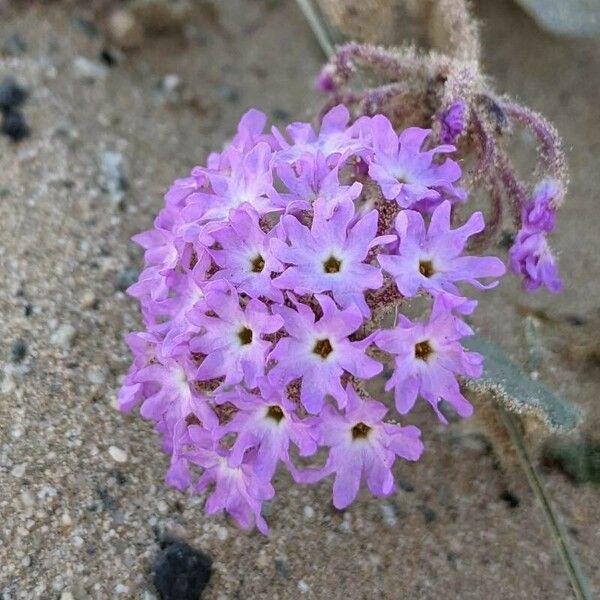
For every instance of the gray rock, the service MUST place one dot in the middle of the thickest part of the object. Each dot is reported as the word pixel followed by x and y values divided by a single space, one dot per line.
pixel 125 278
pixel 565 17
pixel 63 335
pixel 114 178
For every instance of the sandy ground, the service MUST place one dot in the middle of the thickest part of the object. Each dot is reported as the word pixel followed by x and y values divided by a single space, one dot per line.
pixel 75 523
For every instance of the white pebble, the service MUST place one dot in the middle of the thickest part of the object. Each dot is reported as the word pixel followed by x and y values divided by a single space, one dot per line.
pixel 117 454
pixel 63 335
pixel 89 70
pixel 18 471
pixel 303 586
pixel 309 512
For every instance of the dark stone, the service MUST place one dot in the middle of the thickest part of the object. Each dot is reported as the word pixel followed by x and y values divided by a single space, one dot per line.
pixel 405 486
pixel 28 310
pixel 108 57
pixel 18 351
pixel 14 125
pixel 428 513
pixel 12 95
pixel 180 572
pixel 282 568
pixel 125 278
pixel 281 115
pixel 510 499
pixel 14 45
pixel 229 93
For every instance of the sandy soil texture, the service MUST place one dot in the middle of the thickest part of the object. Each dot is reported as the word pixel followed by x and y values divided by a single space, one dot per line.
pixel 82 503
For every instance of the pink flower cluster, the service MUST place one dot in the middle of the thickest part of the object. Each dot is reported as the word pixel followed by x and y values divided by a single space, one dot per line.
pixel 267 276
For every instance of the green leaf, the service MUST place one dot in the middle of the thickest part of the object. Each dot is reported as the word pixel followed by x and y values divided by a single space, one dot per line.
pixel 516 391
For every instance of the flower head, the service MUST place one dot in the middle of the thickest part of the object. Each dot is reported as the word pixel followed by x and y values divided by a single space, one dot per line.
pixel 269 282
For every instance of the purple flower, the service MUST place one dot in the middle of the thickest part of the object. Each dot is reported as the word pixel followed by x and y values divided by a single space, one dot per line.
pixel 143 346
pixel 406 174
pixel 431 259
pixel 244 258
pixel 237 490
pixel 361 446
pixel 540 213
pixel 181 189
pixel 335 138
pixel 232 340
pixel 530 255
pixel 452 122
pixel 174 428
pixel 171 378
pixel 319 352
pixel 267 423
pixel 330 256
pixel 428 356
pixel 244 179
pixel 311 178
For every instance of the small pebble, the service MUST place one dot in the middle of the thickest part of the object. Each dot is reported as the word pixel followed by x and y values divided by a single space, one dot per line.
pixel 113 173
pixel 309 512
pixel 117 454
pixel 12 95
pixel 89 70
pixel 88 300
pixel 163 507
pixel 388 512
pixel 27 499
pixel 169 90
pixel 228 92
pixel 63 335
pixel 97 376
pixel 303 586
pixel 180 572
pixel 18 471
pixel 124 29
pixel 125 278
pixel 14 125
pixel 18 351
